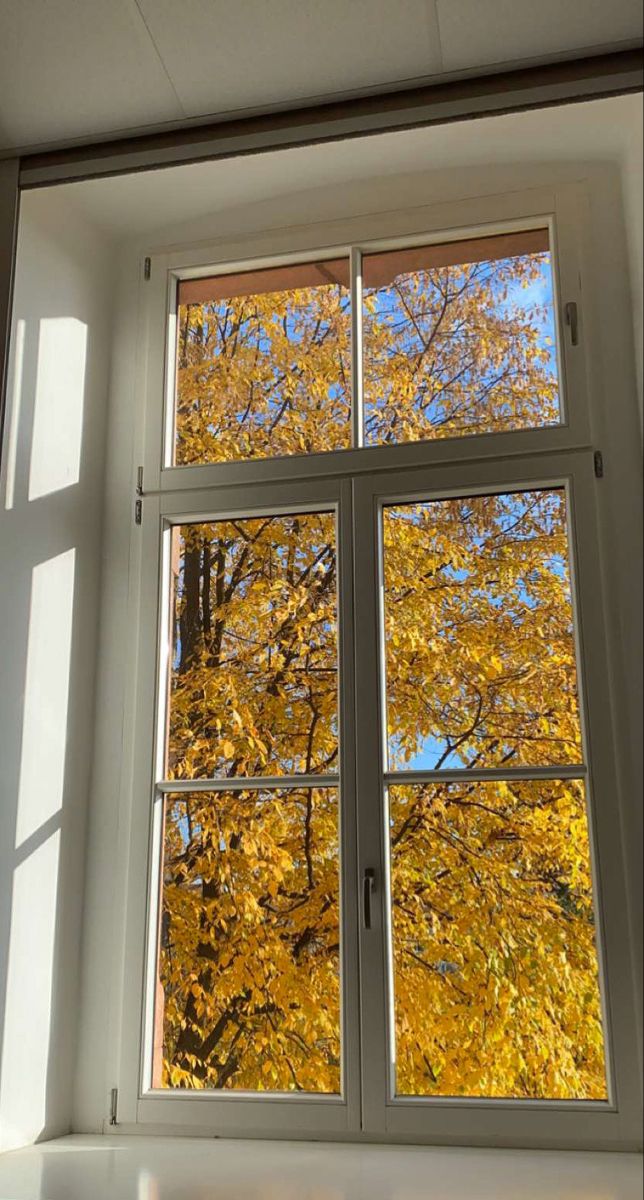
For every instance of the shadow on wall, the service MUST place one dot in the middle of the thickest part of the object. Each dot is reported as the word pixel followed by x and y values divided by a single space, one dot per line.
pixel 50 489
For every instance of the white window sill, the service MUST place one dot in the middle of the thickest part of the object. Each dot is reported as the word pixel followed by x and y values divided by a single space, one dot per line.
pixel 165 1168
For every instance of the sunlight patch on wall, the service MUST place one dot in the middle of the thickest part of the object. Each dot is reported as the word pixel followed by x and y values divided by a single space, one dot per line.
pixel 58 407
pixel 26 1041
pixel 44 730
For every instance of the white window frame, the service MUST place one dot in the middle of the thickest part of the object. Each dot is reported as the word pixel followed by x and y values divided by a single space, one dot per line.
pixel 560 1122
pixel 354 481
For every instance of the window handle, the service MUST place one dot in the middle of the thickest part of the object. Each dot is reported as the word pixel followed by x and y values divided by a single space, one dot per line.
pixel 368 887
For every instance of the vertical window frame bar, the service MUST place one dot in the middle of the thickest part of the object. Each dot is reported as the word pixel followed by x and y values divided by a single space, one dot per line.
pixel 357 390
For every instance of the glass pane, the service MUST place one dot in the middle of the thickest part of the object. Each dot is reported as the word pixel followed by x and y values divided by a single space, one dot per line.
pixel 248 993
pixel 253 681
pixel 495 962
pixel 263 364
pixel 479 643
pixel 460 339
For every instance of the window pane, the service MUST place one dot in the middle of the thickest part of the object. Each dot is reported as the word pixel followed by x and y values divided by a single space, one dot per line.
pixel 263 364
pixel 495 963
pixel 460 339
pixel 248 995
pixel 479 643
pixel 253 687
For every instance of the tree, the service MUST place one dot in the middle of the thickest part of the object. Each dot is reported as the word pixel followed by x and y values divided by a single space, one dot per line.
pixel 495 965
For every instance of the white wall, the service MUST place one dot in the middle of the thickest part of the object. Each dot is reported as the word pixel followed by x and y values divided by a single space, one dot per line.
pixel 51 489
pixel 632 187
pixel 617 427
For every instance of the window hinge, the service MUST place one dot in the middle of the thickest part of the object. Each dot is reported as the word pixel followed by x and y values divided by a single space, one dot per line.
pixel 598 460
pixel 138 504
pixel 147 268
pixel 571 313
pixel 114 1099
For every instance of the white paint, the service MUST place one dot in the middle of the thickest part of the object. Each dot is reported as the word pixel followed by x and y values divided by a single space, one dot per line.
pixel 30 977
pixel 45 704
pixel 49 571
pixel 118 1168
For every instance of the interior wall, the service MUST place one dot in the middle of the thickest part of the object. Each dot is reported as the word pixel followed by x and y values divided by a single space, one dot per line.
pixel 633 192
pixel 51 488
pixel 107 847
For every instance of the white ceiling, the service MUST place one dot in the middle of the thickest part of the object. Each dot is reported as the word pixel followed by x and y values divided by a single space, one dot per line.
pixel 87 68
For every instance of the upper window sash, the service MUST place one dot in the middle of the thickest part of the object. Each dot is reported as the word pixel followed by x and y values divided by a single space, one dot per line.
pixel 378 347
pixel 366 391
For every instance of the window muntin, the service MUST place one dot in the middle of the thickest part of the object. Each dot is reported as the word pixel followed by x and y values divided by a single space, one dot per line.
pixel 449 339
pixel 263 364
pixel 493 955
pixel 248 984
pixel 254 663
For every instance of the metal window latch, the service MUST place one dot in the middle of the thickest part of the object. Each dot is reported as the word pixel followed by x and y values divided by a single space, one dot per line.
pixel 114 1099
pixel 598 460
pixel 571 313
pixel 368 888
pixel 138 505
pixel 147 268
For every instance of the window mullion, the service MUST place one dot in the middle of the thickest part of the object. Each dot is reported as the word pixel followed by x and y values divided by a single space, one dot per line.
pixel 357 405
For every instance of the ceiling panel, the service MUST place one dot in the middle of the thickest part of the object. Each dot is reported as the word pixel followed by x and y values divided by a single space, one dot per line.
pixel 224 55
pixel 73 68
pixel 476 34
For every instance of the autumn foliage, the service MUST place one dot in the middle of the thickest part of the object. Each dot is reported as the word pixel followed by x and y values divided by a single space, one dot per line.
pixel 495 967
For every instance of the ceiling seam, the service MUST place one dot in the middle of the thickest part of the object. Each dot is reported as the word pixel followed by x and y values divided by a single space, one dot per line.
pixel 160 57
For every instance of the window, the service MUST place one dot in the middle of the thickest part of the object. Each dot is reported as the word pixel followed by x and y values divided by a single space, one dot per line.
pixel 382 770
pixel 249 982
pixel 495 971
pixel 457 338
pixel 263 364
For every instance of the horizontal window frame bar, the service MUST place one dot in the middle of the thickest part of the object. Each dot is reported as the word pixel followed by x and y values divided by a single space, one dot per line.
pixel 184 278
pixel 222 259
pixel 228 1096
pixel 510 1102
pixel 484 774
pixel 254 783
pixel 369 460
pixel 399 1101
